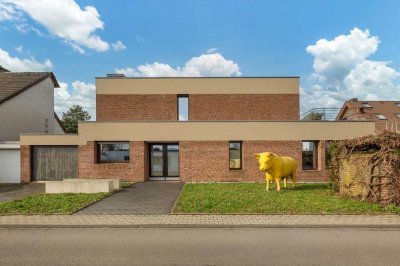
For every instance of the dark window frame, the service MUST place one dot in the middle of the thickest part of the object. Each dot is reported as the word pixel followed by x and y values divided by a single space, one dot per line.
pixel 98 151
pixel 241 156
pixel 177 106
pixel 165 152
pixel 315 153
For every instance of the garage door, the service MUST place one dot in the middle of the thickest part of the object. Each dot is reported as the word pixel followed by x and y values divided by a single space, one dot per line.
pixel 54 162
pixel 10 166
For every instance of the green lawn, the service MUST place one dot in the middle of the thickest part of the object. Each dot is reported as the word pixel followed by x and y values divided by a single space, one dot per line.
pixel 251 198
pixel 66 203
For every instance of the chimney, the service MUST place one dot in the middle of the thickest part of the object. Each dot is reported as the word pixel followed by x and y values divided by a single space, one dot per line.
pixel 354 100
pixel 115 76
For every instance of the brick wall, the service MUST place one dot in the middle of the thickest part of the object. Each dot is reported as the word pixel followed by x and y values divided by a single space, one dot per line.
pixel 208 161
pixel 25 163
pixel 136 107
pixel 244 107
pixel 201 107
pixel 200 161
pixel 132 171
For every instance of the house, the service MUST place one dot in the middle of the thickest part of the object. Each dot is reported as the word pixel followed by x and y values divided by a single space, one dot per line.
pixel 187 129
pixel 385 114
pixel 26 106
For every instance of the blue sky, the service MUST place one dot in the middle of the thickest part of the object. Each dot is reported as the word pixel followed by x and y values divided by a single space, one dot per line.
pixel 79 40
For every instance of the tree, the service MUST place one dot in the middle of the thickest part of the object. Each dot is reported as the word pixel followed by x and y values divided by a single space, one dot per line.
pixel 314 116
pixel 71 118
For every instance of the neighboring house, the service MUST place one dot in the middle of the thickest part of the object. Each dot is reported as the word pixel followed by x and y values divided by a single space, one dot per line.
pixel 385 114
pixel 26 106
pixel 187 129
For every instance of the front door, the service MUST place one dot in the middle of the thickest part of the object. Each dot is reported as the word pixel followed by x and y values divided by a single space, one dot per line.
pixel 164 162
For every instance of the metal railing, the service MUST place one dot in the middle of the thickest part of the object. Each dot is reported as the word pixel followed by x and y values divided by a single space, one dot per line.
pixel 327 114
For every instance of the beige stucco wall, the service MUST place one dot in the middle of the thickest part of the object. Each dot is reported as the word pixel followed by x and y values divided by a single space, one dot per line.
pixel 52 139
pixel 229 85
pixel 26 112
pixel 206 131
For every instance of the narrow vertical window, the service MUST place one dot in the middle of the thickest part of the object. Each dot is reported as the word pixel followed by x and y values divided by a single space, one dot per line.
pixel 235 155
pixel 310 155
pixel 183 107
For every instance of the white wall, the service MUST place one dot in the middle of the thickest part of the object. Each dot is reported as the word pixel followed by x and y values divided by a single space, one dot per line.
pixel 26 112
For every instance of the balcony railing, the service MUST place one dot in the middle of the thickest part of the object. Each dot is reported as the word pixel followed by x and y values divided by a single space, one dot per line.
pixel 327 114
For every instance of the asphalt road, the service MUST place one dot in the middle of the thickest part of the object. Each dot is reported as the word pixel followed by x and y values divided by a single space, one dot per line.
pixel 128 246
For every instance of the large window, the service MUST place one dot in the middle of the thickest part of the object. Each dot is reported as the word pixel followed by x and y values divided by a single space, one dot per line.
pixel 310 155
pixel 112 152
pixel 183 108
pixel 235 155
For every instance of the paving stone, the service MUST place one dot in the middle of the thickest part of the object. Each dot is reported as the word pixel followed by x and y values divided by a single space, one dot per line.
pixel 140 199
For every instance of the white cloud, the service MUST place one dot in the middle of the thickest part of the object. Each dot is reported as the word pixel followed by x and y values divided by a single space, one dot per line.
pixel 342 71
pixel 19 49
pixel 26 64
pixel 139 38
pixel 64 19
pixel 118 46
pixel 8 12
pixel 212 50
pixel 334 59
pixel 81 93
pixel 206 65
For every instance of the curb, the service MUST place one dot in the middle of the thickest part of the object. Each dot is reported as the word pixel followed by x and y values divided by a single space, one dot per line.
pixel 216 226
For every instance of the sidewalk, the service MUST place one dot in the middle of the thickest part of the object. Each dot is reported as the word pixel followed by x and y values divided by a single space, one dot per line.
pixel 203 221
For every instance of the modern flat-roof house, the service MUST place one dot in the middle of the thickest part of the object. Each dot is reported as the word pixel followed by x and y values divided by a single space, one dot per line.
pixel 385 114
pixel 187 129
pixel 26 106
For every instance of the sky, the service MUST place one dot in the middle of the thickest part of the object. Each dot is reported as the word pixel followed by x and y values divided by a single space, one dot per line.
pixel 339 49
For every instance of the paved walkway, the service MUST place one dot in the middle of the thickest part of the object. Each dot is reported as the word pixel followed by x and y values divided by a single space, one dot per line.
pixel 9 192
pixel 161 221
pixel 140 199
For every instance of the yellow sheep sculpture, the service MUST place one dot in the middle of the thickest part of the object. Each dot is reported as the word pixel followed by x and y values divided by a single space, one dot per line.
pixel 277 168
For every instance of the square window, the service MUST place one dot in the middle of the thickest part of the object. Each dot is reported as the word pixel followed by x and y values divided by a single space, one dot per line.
pixel 309 155
pixel 381 117
pixel 113 152
pixel 235 155
pixel 397 104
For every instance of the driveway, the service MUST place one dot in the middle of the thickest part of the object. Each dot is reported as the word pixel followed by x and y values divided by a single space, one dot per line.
pixel 9 192
pixel 141 198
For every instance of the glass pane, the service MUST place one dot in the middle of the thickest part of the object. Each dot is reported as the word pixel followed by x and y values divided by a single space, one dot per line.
pixel 309 155
pixel 234 155
pixel 157 161
pixel 114 151
pixel 183 108
pixel 173 160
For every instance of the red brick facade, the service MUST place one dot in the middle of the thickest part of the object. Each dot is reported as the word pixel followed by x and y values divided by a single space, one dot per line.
pixel 243 107
pixel 25 163
pixel 88 167
pixel 110 107
pixel 199 161
pixel 202 161
pixel 202 107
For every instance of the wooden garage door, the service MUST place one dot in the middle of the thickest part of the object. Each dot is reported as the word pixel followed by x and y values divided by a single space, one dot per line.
pixel 54 162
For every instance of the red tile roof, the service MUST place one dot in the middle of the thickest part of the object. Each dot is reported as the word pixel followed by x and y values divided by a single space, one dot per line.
pixel 13 83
